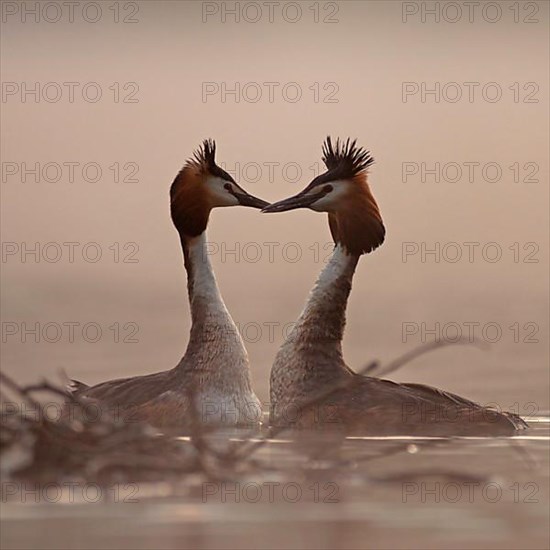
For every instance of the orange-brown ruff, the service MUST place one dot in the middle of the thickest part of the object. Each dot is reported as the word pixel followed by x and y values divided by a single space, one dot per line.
pixel 213 376
pixel 358 224
pixel 310 364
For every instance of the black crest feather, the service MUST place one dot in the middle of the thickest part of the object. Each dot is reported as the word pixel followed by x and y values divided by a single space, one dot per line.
pixel 206 154
pixel 204 158
pixel 346 159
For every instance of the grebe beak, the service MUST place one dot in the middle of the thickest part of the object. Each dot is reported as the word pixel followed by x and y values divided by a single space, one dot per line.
pixel 301 200
pixel 245 199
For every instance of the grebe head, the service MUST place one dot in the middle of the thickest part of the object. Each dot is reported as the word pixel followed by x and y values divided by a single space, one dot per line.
pixel 202 185
pixel 342 191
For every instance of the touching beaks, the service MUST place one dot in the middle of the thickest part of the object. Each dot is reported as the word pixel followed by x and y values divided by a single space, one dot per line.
pixel 301 200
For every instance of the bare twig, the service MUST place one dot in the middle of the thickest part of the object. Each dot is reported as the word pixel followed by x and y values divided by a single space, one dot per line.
pixel 374 369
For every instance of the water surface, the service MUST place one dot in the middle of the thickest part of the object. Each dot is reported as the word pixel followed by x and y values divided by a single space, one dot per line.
pixel 307 492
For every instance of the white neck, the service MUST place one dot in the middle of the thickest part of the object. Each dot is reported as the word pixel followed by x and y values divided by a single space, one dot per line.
pixel 214 343
pixel 312 354
pixel 324 315
pixel 204 284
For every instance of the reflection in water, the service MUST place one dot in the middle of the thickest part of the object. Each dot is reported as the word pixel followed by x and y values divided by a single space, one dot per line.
pixel 355 492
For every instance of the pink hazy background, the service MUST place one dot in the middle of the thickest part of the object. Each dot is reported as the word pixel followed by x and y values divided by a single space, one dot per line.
pixel 368 53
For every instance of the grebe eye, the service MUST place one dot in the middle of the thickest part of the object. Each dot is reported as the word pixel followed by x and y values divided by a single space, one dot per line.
pixel 227 186
pixel 327 188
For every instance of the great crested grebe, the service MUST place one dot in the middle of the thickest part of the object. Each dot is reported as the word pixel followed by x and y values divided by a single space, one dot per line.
pixel 309 364
pixel 213 376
